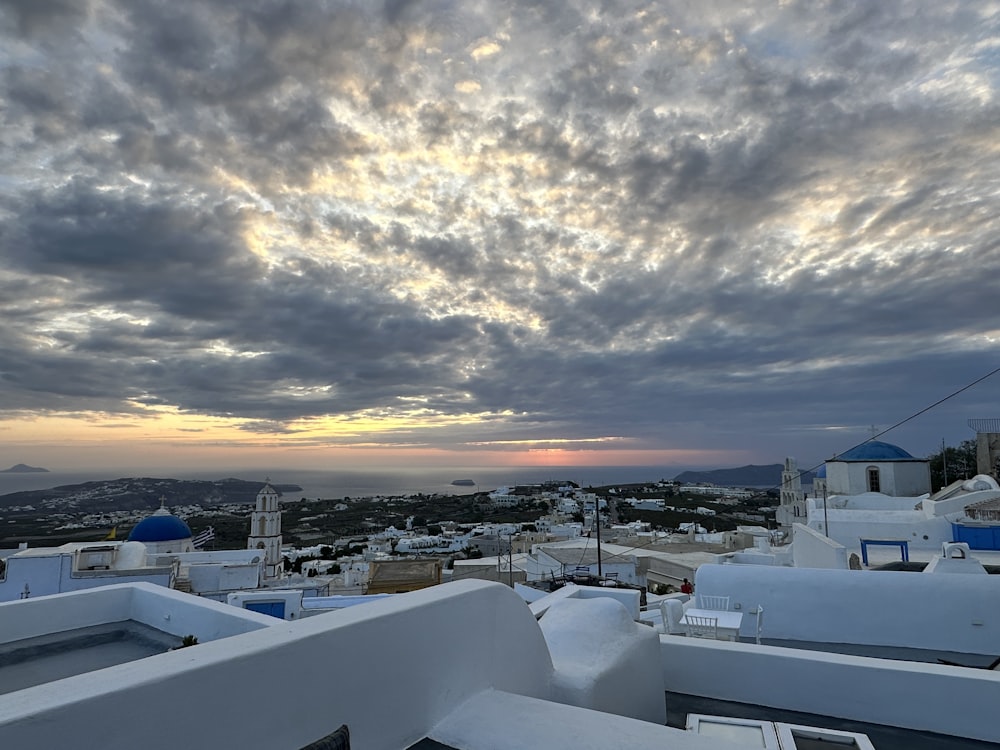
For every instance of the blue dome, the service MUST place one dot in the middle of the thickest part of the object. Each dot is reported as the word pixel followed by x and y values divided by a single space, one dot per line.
pixel 821 472
pixel 875 450
pixel 160 528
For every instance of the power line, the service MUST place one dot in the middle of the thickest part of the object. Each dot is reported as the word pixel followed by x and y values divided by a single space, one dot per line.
pixel 900 423
pixel 873 437
pixel 928 408
pixel 913 416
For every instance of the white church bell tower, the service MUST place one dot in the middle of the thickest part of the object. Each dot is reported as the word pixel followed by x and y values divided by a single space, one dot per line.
pixel 265 530
pixel 793 506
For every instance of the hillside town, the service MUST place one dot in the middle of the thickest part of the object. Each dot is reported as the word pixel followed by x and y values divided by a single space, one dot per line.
pixel 675 608
pixel 334 545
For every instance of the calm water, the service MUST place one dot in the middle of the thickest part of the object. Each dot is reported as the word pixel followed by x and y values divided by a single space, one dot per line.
pixel 338 484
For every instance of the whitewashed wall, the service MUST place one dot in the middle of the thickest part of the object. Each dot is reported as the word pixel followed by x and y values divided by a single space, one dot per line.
pixel 215 577
pixel 272 688
pixel 161 608
pixel 848 526
pixel 53 574
pixel 811 549
pixel 868 501
pixel 891 608
pixel 895 477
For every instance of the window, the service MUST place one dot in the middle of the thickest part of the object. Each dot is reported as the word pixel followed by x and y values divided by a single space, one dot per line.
pixel 874 485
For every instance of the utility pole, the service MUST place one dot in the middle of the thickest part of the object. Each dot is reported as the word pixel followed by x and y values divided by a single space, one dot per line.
pixel 826 520
pixel 597 520
pixel 944 463
pixel 510 558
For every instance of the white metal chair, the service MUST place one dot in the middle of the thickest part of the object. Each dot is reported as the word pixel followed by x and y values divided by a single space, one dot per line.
pixel 720 603
pixel 701 627
pixel 672 610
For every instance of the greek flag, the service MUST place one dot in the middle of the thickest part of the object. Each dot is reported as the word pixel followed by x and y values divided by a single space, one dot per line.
pixel 203 537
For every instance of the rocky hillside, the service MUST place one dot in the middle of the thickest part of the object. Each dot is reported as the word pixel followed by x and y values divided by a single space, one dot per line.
pixel 140 493
pixel 743 476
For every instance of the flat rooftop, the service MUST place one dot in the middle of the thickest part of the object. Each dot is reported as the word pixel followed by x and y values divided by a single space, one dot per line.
pixel 679 705
pixel 50 657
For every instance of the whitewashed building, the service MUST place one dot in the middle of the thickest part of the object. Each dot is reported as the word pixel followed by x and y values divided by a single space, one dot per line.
pixel 880 467
pixel 40 571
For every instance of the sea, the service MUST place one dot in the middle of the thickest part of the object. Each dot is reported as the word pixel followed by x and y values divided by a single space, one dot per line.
pixel 337 484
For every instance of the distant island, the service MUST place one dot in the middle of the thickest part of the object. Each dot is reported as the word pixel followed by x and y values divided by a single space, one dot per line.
pixel 24 469
pixel 463 483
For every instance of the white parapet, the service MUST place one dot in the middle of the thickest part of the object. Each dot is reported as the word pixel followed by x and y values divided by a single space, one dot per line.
pixel 403 663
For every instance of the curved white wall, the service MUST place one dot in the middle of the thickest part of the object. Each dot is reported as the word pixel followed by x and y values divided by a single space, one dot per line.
pixel 290 684
pixel 604 659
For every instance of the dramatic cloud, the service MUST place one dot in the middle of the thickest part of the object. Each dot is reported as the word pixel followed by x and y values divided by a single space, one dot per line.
pixel 606 226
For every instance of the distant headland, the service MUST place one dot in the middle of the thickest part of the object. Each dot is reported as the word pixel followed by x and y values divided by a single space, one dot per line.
pixel 24 469
pixel 139 493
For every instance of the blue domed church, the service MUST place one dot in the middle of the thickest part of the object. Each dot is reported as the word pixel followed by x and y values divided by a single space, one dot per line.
pixel 875 466
pixel 163 532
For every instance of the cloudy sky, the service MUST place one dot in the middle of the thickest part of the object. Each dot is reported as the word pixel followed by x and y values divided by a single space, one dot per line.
pixel 487 232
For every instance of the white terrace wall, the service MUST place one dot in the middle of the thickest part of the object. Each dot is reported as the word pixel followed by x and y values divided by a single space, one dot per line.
pixel 866 501
pixel 59 613
pixel 161 608
pixel 886 608
pixel 182 614
pixel 404 663
pixel 218 577
pixel 810 549
pixel 848 526
pixel 952 701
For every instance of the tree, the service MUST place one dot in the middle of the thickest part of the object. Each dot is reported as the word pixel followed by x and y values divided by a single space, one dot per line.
pixel 297 565
pixel 957 463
